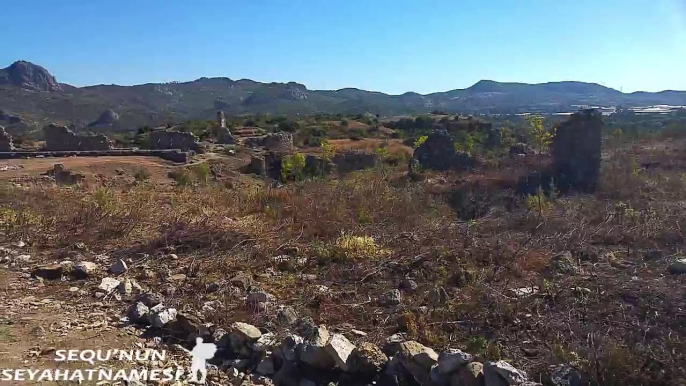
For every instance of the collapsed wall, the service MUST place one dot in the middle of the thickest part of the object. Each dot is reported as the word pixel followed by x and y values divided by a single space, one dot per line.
pixel 171 139
pixel 576 150
pixel 60 138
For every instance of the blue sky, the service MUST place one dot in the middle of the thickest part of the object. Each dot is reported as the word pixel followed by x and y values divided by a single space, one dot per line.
pixel 383 45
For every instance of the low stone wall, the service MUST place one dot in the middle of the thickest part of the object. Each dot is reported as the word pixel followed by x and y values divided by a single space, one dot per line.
pixel 170 155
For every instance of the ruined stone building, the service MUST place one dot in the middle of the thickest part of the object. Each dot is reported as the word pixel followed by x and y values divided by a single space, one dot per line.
pixel 576 152
pixel 60 138
pixel 171 139
pixel 223 133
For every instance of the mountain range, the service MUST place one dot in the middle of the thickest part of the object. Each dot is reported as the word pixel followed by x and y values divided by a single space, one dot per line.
pixel 31 97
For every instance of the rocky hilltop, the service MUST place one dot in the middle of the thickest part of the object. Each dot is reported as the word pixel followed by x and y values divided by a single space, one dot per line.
pixel 28 76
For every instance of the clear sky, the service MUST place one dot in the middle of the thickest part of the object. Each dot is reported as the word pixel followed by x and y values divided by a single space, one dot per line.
pixel 383 45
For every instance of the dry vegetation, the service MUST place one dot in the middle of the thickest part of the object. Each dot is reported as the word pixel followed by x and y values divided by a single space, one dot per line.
pixel 620 318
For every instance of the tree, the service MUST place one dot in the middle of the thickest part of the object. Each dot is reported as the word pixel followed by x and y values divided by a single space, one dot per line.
pixel 540 137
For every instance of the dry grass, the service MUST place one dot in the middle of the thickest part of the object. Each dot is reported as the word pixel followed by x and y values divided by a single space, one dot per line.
pixel 620 319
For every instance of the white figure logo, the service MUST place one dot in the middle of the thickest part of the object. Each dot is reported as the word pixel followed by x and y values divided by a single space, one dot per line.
pixel 201 353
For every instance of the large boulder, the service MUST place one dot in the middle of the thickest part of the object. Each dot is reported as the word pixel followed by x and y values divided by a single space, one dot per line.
pixel 108 118
pixel 576 152
pixel 438 153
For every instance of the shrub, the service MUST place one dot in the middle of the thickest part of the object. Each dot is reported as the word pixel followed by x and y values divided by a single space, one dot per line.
pixel 141 174
pixel 540 137
pixel 292 166
pixel 419 141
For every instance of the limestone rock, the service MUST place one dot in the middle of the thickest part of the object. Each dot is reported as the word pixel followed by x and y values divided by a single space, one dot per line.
pixel 452 359
pixel 265 342
pixel 125 287
pixel 84 269
pixel 470 374
pixel 150 299
pixel 313 351
pixel 138 312
pixel 367 358
pixel 287 316
pixel 417 352
pixel 504 370
pixel 339 348
pixel 161 317
pixel 678 267
pixel 108 284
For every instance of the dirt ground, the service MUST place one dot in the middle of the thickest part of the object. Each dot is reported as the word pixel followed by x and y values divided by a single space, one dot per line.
pixel 89 166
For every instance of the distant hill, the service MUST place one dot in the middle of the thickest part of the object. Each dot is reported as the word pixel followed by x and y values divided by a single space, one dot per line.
pixel 32 94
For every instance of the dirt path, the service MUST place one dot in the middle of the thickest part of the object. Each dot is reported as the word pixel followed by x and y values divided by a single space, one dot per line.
pixel 36 320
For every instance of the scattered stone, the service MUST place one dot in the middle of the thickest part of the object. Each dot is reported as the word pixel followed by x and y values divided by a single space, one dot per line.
pixel 108 284
pixel 23 258
pixel 418 353
pixel 313 351
pixel 150 299
pixel 505 371
pixel 367 359
pixel 118 267
pixel 138 312
pixel 393 342
pixel 452 359
pixel 289 347
pixel 265 342
pixel 565 375
pixel 524 291
pixel 438 296
pixel 259 297
pixel 678 267
pixel 287 316
pixel 408 285
pixel 125 287
pixel 391 298
pixel 241 281
pixel 84 269
pixel 49 272
pixel 470 374
pixel 160 318
pixel 339 348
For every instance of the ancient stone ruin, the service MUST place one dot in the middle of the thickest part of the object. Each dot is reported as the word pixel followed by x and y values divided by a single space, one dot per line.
pixel 172 139
pixel 576 152
pixel 438 153
pixel 278 141
pixel 64 176
pixel 223 133
pixel 60 138
pixel 353 160
pixel 6 143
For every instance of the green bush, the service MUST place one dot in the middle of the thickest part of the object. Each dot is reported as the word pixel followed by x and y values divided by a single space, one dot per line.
pixel 292 166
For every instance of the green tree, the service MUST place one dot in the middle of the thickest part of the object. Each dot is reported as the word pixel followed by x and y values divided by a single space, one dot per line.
pixel 540 137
